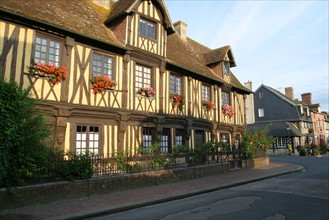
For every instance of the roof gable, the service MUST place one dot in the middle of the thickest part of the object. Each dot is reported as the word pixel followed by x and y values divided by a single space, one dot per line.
pixel 220 54
pixel 277 93
pixel 123 8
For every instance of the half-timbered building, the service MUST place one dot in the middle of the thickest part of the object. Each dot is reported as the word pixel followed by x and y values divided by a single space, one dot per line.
pixel 168 88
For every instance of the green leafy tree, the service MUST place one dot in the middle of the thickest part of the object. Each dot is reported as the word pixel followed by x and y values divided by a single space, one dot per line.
pixel 22 135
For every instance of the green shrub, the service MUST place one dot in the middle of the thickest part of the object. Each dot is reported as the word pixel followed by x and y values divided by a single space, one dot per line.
pixel 323 148
pixel 302 151
pixel 23 135
pixel 123 164
pixel 77 167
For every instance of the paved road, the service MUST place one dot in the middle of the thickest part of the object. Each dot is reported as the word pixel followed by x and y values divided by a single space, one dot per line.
pixel 303 195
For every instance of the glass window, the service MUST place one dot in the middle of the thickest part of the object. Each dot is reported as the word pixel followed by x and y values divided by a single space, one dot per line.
pixel 87 139
pixel 102 65
pixel 175 84
pixel 260 94
pixel 261 112
pixel 143 77
pixel 47 50
pixel 179 137
pixel 205 93
pixel 226 68
pixel 147 28
pixel 165 140
pixel 147 137
pixel 225 98
pixel 281 142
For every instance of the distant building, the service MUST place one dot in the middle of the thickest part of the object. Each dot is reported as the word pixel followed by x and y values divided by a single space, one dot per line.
pixel 290 121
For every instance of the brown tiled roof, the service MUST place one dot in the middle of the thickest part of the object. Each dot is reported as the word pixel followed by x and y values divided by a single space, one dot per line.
pixel 79 16
pixel 118 9
pixel 190 55
pixel 216 55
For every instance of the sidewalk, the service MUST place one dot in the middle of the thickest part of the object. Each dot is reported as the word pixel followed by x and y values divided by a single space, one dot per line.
pixel 133 198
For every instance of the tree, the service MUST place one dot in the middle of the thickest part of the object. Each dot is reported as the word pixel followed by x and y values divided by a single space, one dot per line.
pixel 23 135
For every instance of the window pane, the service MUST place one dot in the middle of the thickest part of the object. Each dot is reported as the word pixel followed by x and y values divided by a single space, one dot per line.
pixel 102 65
pixel 147 28
pixel 47 50
pixel 143 77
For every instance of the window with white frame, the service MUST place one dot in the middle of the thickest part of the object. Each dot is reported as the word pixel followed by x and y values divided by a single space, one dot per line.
pixel 281 142
pixel 143 77
pixel 260 94
pixel 102 65
pixel 260 112
pixel 205 93
pixel 147 28
pixel 47 50
pixel 87 139
pixel 175 84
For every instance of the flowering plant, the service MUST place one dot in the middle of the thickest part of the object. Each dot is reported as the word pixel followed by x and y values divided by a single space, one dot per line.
pixel 208 105
pixel 55 74
pixel 177 100
pixel 147 91
pixel 256 140
pixel 228 110
pixel 101 83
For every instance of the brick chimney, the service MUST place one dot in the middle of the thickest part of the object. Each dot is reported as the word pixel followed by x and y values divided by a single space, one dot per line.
pixel 289 92
pixel 307 98
pixel 180 27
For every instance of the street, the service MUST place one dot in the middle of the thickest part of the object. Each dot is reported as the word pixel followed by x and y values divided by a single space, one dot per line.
pixel 302 195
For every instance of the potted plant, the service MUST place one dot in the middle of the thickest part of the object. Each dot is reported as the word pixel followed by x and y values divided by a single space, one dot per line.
pixel 228 110
pixel 101 83
pixel 146 92
pixel 208 105
pixel 55 74
pixel 177 101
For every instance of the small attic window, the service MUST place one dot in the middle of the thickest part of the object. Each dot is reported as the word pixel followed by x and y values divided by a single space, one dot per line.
pixel 147 28
pixel 226 68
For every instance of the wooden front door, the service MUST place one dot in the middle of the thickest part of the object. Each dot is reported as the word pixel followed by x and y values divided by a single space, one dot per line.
pixel 199 138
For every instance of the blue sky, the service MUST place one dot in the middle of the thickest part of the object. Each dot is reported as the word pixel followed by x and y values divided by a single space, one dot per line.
pixel 276 43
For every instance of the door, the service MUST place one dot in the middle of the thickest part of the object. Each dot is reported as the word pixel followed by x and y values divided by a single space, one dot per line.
pixel 199 138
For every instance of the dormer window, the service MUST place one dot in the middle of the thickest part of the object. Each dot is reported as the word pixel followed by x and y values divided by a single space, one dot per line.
pixel 226 68
pixel 147 28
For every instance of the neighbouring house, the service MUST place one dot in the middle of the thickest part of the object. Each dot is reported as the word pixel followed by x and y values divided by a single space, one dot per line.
pixel 288 121
pixel 115 76
pixel 320 120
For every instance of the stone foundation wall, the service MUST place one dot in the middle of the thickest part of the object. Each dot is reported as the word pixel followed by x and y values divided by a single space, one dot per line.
pixel 20 196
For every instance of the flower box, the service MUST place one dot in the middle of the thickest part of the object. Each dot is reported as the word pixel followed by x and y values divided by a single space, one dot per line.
pixel 54 74
pixel 146 92
pixel 208 105
pixel 177 101
pixel 228 110
pixel 102 83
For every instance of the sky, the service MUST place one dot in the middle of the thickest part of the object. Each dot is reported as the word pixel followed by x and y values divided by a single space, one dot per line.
pixel 276 43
